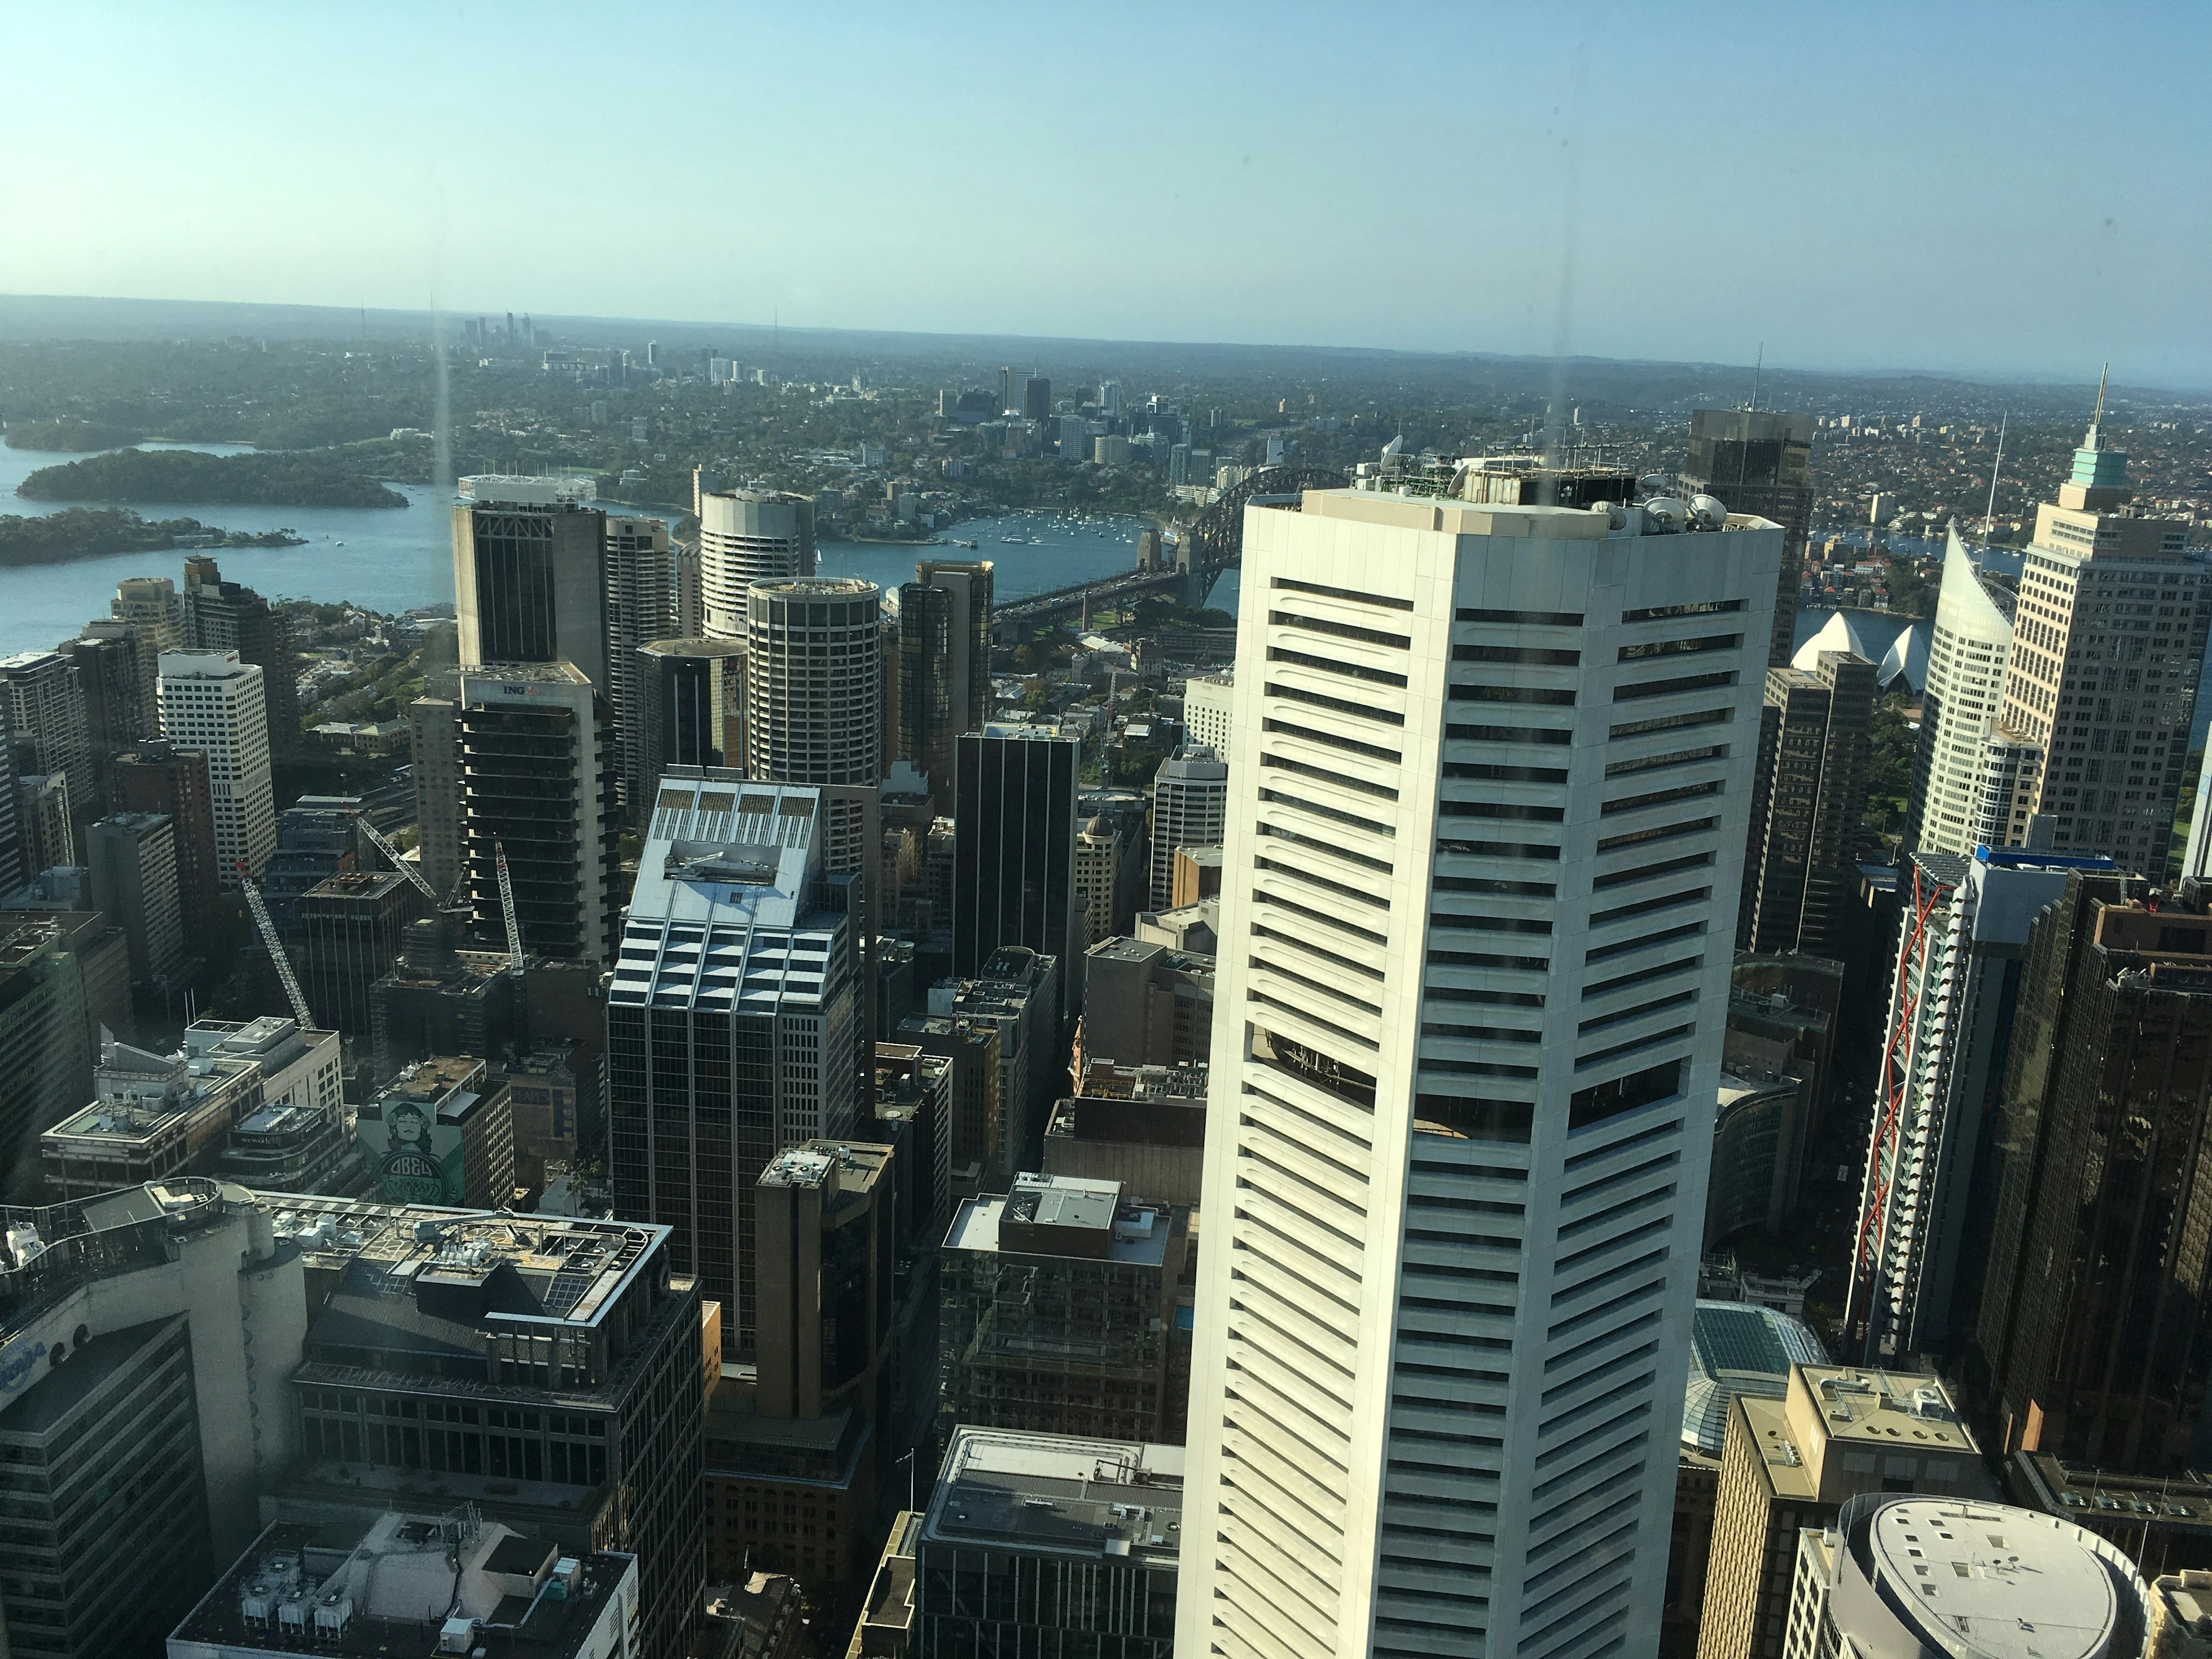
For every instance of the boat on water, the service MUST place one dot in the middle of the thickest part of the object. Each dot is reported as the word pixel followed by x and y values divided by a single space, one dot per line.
pixel 970 546
pixel 1014 541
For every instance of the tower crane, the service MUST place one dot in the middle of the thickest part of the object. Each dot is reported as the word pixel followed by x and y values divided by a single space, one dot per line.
pixel 267 926
pixel 507 904
pixel 383 844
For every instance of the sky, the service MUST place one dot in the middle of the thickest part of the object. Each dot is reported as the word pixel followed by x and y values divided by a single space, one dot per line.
pixel 2000 189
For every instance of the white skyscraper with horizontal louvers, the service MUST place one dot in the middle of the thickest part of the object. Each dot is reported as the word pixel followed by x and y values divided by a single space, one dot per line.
pixel 1485 835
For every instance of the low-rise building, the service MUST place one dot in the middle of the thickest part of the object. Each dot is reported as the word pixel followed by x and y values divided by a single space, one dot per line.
pixel 416 1585
pixel 1149 1004
pixel 441 1132
pixel 1038 1542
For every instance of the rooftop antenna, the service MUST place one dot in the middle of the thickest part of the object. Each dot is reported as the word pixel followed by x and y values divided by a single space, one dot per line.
pixel 2097 419
pixel 1990 511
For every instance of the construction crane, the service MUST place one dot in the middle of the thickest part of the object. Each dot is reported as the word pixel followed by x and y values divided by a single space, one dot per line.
pixel 267 926
pixel 383 844
pixel 506 903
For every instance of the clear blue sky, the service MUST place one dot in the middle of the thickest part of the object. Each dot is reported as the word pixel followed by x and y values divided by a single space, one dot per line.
pixel 2006 188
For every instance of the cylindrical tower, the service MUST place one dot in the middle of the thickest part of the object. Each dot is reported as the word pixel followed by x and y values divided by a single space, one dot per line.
pixel 747 536
pixel 814 693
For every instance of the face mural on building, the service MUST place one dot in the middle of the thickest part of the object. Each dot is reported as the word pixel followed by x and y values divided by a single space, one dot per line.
pixel 414 1158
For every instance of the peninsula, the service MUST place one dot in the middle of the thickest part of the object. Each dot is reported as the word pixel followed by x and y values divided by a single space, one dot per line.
pixel 89 533
pixel 309 477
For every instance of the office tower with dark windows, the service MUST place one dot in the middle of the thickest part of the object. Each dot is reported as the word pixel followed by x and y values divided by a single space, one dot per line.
pixel 926 729
pixel 967 668
pixel 693 693
pixel 2096 1315
pixel 529 585
pixel 814 702
pixel 1013 870
pixel 537 782
pixel 353 927
pixel 212 702
pixel 159 777
pixel 1036 397
pixel 747 536
pixel 221 615
pixel 1479 877
pixel 733 1020
pixel 2101 685
pixel 641 608
pixel 133 859
pixel 1759 462
pixel 47 720
pixel 118 702
pixel 1807 794
pixel 1190 805
pixel 435 730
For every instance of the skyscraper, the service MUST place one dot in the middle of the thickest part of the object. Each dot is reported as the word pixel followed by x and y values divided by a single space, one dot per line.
pixel 641 608
pixel 1760 461
pixel 927 730
pixel 1190 804
pixel 530 585
pixel 968 699
pixel 1036 397
pixel 1474 1064
pixel 1013 869
pixel 733 1021
pixel 160 777
pixel 47 717
pixel 747 536
pixel 2102 685
pixel 814 701
pixel 221 615
pixel 118 702
pixel 212 702
pixel 1967 652
pixel 694 697
pixel 435 728
pixel 1807 794
pixel 1953 991
pixel 152 606
pixel 133 859
pixel 537 779
pixel 2096 1309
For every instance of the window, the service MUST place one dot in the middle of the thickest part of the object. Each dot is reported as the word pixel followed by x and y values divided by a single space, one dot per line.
pixel 1470 1119
pixel 1330 665
pixel 1285 583
pixel 1533 694
pixel 1527 653
pixel 1341 630
pixel 1704 608
pixel 1339 705
pixel 1670 688
pixel 1520 618
pixel 1602 1101
pixel 1681 647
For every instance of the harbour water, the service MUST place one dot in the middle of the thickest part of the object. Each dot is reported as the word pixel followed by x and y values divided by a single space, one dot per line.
pixel 394 559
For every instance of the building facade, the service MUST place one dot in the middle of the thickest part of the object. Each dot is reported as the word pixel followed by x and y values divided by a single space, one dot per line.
pixel 1013 850
pixel 747 536
pixel 1478 877
pixel 814 701
pixel 221 615
pixel 641 606
pixel 211 701
pixel 1190 805
pixel 1760 461
pixel 693 693
pixel 133 859
pixel 1810 791
pixel 1967 652
pixel 529 585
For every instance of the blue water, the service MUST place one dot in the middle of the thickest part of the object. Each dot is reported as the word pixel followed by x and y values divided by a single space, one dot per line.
pixel 394 559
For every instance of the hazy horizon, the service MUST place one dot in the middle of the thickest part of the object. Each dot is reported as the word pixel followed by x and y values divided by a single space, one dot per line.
pixel 1872 192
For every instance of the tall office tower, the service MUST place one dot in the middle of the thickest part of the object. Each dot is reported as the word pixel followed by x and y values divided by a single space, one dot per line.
pixel 47 719
pixel 974 1086
pixel 45 1047
pixel 1098 858
pixel 747 536
pixel 474 1322
pixel 159 776
pixel 1006 403
pixel 1807 794
pixel 1473 875
pixel 537 780
pixel 212 702
pixel 1794 1462
pixel 1036 397
pixel 434 724
pixel 1017 991
pixel 43 818
pixel 317 835
pixel 1013 849
pixel 641 608
pixel 1759 462
pixel 530 585
pixel 1068 1544
pixel 1953 992
pixel 133 859
pixel 925 731
pixel 693 693
pixel 118 702
pixel 802 1449
pixel 2102 682
pixel 1057 1298
pixel 1190 807
pixel 969 697
pixel 733 1021
pixel 1967 653
pixel 2096 1308
pixel 221 615
pixel 15 851
pixel 1109 398
pixel 152 606
pixel 352 928
pixel 814 701
pixel 1866 1585
pixel 1206 700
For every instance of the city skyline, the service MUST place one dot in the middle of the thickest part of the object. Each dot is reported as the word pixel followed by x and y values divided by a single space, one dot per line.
pixel 1876 153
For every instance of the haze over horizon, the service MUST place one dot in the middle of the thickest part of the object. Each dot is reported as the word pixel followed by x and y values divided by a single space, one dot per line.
pixel 1869 191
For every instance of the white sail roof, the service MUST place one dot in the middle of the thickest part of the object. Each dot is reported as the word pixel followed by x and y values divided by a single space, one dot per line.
pixel 1841 632
pixel 1906 659
pixel 1963 606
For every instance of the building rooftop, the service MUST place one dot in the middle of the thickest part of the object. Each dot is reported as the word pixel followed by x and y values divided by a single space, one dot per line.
pixel 1066 1215
pixel 1059 1495
pixel 527 673
pixel 1738 1348
pixel 835 1166
pixel 2106 1497
pixel 338 1589
pixel 1862 1404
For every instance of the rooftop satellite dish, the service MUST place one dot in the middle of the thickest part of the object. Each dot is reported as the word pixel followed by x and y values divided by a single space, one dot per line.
pixel 1708 512
pixel 1665 515
pixel 1654 484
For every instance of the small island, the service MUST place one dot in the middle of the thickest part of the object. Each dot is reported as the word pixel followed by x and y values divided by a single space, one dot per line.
pixel 309 477
pixel 90 532
pixel 68 434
